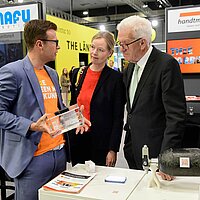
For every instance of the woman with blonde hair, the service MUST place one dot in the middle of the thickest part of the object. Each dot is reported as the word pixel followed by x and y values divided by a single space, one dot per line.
pixel 101 91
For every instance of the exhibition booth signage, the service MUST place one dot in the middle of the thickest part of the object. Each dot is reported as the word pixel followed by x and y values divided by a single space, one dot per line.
pixel 182 37
pixel 184 20
pixel 13 18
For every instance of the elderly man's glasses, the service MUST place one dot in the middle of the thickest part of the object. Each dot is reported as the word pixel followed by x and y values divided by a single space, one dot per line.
pixel 126 46
pixel 56 41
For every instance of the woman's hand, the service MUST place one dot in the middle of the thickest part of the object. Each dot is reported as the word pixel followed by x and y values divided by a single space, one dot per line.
pixel 111 159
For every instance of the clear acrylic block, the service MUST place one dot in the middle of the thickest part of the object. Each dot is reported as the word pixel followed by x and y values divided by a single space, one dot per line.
pixel 66 121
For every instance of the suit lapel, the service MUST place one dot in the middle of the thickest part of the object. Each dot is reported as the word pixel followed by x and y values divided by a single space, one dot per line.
pixel 54 79
pixel 145 75
pixel 28 68
pixel 104 75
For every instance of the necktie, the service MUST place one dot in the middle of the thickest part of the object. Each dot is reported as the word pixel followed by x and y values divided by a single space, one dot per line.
pixel 134 82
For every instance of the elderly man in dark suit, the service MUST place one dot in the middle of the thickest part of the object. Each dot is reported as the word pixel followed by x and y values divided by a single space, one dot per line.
pixel 155 94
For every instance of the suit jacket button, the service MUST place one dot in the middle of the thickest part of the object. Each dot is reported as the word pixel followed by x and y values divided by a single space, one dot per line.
pixel 129 116
pixel 36 143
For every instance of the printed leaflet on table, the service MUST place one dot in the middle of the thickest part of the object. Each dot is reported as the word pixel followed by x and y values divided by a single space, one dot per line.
pixel 69 182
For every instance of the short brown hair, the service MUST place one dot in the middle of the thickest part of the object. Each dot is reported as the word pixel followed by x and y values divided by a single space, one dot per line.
pixel 36 29
pixel 108 36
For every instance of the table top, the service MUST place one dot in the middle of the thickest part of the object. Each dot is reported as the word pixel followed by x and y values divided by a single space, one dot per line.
pixel 136 187
pixel 181 188
pixel 99 189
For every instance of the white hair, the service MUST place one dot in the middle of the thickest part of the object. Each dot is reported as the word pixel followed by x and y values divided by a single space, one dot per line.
pixel 141 27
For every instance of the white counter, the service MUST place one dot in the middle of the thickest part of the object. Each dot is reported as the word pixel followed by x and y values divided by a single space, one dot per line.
pixel 135 188
pixel 99 189
pixel 181 188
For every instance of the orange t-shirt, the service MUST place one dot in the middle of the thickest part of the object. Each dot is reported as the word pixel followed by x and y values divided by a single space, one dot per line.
pixel 87 90
pixel 50 105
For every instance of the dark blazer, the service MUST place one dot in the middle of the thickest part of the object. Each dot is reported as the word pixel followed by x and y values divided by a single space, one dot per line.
pixel 157 116
pixel 21 103
pixel 106 109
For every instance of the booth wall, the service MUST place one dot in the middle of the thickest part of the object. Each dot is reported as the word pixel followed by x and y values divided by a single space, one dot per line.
pixel 74 39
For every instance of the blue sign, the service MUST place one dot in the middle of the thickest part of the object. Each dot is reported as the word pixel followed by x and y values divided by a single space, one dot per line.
pixel 14 17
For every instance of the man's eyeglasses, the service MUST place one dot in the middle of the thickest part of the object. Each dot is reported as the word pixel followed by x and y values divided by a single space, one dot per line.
pixel 56 41
pixel 126 46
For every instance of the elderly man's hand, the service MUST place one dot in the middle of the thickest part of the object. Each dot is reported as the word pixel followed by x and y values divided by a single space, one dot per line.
pixel 166 176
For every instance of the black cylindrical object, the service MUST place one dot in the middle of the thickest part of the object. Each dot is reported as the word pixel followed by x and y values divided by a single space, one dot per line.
pixel 180 162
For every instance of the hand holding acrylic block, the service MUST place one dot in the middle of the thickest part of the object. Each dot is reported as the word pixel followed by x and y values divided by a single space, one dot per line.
pixel 65 121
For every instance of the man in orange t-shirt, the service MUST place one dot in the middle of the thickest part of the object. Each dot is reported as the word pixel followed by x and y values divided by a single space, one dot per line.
pixel 29 92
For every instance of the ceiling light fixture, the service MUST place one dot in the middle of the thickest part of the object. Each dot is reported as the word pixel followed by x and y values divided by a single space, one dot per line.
pixel 85 12
pixel 167 3
pixel 102 28
pixel 164 3
pixel 10 1
pixel 154 23
pixel 145 5
pixel 138 5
